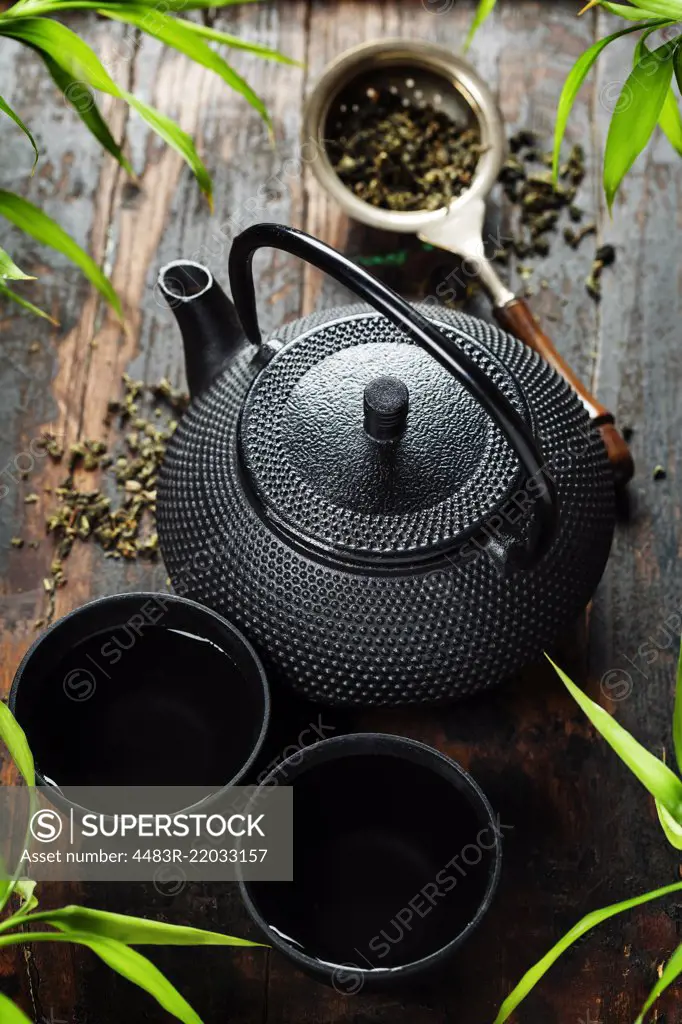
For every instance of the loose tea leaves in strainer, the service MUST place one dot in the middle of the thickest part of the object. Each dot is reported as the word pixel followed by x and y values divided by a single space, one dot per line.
pixel 403 157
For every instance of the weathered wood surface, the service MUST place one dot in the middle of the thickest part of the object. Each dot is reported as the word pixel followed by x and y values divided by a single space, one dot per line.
pixel 584 833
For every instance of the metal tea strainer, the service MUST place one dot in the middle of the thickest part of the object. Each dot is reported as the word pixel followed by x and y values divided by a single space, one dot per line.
pixel 423 73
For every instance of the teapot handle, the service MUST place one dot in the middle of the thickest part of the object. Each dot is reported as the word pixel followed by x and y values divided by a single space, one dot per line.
pixel 522 555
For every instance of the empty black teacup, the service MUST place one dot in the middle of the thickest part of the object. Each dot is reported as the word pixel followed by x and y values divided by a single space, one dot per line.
pixel 144 690
pixel 396 859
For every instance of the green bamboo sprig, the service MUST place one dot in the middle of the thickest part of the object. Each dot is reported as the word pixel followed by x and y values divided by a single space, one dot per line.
pixel 666 788
pixel 110 936
pixel 649 96
pixel 79 74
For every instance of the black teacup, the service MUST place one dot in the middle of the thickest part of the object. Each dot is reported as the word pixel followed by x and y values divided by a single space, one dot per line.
pixel 396 859
pixel 144 690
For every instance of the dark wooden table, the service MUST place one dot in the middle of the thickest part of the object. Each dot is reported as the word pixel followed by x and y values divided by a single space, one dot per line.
pixel 584 833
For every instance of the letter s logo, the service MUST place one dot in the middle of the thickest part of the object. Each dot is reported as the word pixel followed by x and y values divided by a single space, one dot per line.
pixel 46 826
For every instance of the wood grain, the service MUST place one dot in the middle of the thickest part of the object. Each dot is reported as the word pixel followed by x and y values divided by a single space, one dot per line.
pixel 583 832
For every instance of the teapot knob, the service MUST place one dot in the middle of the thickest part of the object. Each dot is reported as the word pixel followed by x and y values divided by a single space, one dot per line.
pixel 387 402
pixel 527 549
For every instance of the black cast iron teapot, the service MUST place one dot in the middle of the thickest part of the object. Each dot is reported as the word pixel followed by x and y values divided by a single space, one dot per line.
pixel 397 503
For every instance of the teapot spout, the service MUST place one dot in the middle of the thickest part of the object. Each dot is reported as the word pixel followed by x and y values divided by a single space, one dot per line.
pixel 211 330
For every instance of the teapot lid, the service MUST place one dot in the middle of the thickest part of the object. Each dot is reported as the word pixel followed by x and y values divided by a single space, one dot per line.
pixel 356 442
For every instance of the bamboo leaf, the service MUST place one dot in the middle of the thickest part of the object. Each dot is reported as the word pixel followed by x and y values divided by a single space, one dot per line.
pixel 654 775
pixel 5 887
pixel 677 60
pixel 670 119
pixel 670 973
pixel 10 1012
pixel 671 9
pixel 180 5
pixel 673 831
pixel 38 225
pixel 65 48
pixel 133 931
pixel 624 11
pixel 484 9
pixel 10 271
pixel 677 712
pixel 82 100
pixel 586 924
pixel 76 58
pixel 125 961
pixel 24 8
pixel 21 301
pixel 6 109
pixel 575 79
pixel 198 28
pixel 194 5
pixel 197 4
pixel 14 738
pixel 141 972
pixel 179 140
pixel 636 115
pixel 19 7
pixel 175 33
pixel 26 890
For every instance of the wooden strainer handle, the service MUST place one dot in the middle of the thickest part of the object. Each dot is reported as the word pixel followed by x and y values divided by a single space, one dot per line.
pixel 517 318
